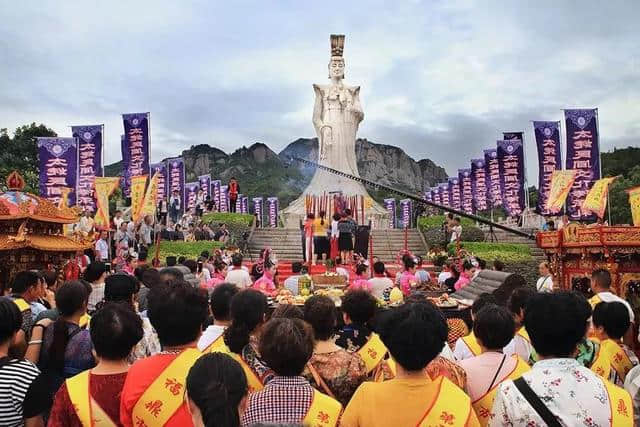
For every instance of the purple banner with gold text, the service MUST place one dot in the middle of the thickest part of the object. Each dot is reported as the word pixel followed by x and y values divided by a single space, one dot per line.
pixel 511 161
pixel 135 147
pixel 549 159
pixel 58 160
pixel 89 163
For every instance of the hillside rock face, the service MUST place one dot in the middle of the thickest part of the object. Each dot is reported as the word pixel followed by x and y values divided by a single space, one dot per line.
pixel 260 171
pixel 380 163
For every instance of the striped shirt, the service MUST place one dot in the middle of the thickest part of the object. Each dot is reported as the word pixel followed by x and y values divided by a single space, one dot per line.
pixel 283 400
pixel 22 394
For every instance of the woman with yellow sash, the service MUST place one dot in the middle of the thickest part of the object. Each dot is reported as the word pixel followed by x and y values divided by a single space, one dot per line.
pixel 212 338
pixel 614 360
pixel 414 334
pixel 248 314
pixel 153 393
pixel 92 398
pixel 521 343
pixel 468 346
pixel 558 390
pixel 494 327
pixel 286 345
pixel 216 391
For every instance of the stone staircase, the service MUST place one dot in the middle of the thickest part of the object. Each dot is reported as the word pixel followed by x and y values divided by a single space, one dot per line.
pixel 388 242
pixel 287 243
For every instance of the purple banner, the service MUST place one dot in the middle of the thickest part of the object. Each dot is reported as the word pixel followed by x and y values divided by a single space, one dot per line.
pixel 454 192
pixel 390 206
pixel 215 189
pixel 427 195
pixel 224 201
pixel 258 210
pixel 58 160
pixel 205 185
pixel 511 161
pixel 466 190
pixel 405 209
pixel 244 206
pixel 161 170
pixel 175 178
pixel 549 159
pixel 190 195
pixel 443 188
pixel 583 155
pixel 239 202
pixel 479 184
pixel 273 206
pixel 494 190
pixel 135 147
pixel 89 163
pixel 436 196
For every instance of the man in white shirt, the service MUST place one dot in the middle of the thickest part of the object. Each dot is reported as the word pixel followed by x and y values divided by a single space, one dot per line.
pixel 445 273
pixel 601 287
pixel 456 230
pixel 379 282
pixel 238 276
pixel 291 283
pixel 96 273
pixel 572 393
pixel 220 304
pixel 545 282
pixel 102 247
pixel 118 220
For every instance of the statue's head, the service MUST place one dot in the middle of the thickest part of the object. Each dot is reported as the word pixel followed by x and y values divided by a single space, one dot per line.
pixel 336 64
pixel 336 67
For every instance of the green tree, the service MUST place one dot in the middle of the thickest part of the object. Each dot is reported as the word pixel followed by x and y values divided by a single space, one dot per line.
pixel 21 153
pixel 619 199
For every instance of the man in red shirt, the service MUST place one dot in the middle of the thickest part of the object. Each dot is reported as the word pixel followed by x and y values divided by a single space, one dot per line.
pixel 234 189
pixel 153 391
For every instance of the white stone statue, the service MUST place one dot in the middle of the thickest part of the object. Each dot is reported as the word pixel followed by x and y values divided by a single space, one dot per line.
pixel 337 114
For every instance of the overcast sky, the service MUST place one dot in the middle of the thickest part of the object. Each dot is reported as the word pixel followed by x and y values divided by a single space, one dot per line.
pixel 441 79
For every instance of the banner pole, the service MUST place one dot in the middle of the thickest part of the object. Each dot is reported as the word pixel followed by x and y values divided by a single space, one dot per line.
pixel 600 166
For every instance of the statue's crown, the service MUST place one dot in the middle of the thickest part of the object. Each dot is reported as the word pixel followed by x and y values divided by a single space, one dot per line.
pixel 337 44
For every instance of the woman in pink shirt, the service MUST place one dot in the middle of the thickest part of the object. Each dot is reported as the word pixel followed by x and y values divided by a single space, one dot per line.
pixel 219 275
pixel 266 284
pixel 361 281
pixel 408 277
pixel 465 276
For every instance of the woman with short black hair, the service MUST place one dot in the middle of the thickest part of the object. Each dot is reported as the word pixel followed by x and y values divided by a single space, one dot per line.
pixel 216 391
pixel 248 314
pixel 414 334
pixel 286 345
pixel 331 369
pixel 493 328
pixel 115 330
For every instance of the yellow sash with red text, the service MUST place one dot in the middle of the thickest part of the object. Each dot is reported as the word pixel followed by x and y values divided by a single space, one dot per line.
pixel 483 405
pixel 87 409
pixel 472 344
pixel 611 355
pixel 217 345
pixel 165 395
pixel 621 405
pixel 253 380
pixel 451 406
pixel 22 304
pixel 323 412
pixel 372 352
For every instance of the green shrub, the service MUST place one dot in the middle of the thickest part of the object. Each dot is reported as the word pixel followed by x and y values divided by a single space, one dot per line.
pixel 237 223
pixel 436 221
pixel 189 250
pixel 505 252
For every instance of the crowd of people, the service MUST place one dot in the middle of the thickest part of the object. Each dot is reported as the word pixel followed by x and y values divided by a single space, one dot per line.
pixel 151 349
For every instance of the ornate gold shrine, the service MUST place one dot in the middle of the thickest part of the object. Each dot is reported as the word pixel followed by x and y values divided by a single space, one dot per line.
pixel 32 232
pixel 576 250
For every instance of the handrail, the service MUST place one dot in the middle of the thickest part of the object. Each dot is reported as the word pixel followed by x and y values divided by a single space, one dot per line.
pixel 416 199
